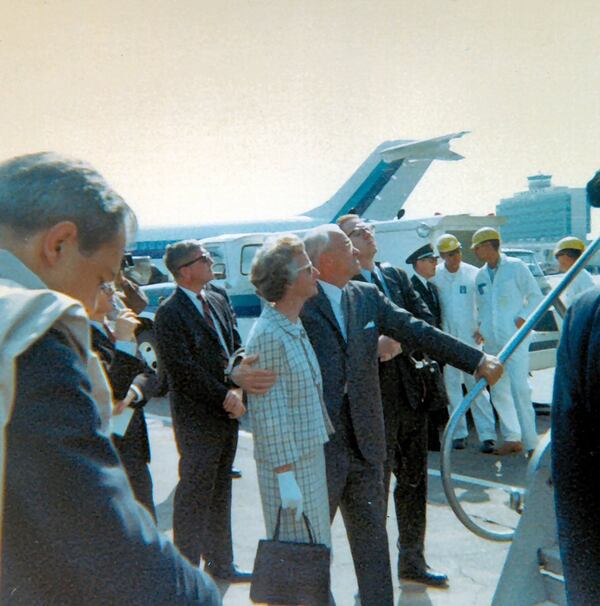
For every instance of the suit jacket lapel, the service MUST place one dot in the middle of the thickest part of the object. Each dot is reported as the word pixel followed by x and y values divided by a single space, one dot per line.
pixel 218 312
pixel 194 317
pixel 349 309
pixel 325 307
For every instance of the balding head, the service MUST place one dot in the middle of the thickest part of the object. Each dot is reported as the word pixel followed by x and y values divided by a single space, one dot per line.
pixel 332 253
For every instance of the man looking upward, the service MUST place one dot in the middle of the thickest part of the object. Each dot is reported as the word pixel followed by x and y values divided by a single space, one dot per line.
pixel 404 413
pixel 343 322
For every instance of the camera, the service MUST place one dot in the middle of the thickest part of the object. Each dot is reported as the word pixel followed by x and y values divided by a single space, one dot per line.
pixel 127 260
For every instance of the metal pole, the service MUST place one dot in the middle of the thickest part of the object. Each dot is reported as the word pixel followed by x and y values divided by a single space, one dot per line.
pixel 505 353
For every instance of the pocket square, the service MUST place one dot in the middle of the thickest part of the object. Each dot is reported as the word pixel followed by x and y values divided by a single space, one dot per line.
pixel 370 324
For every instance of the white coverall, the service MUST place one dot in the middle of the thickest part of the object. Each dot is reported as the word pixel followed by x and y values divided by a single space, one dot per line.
pixel 459 318
pixel 512 294
pixel 582 281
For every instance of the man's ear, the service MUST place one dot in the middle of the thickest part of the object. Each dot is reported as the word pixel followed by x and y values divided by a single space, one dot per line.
pixel 58 240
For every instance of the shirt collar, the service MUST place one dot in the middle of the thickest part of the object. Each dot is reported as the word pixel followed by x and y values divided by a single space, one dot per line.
pixel 422 279
pixel 191 294
pixel 12 268
pixel 276 317
pixel 332 292
pixel 366 274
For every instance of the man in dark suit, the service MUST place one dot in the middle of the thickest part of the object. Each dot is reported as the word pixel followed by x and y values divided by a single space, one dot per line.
pixel 424 262
pixel 575 431
pixel 196 335
pixel 575 452
pixel 72 531
pixel 343 322
pixel 404 412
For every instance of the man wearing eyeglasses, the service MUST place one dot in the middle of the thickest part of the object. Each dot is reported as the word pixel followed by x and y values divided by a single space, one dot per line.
pixel 404 417
pixel 196 336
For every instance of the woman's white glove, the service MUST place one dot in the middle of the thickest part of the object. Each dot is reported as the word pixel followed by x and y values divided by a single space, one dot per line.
pixel 291 497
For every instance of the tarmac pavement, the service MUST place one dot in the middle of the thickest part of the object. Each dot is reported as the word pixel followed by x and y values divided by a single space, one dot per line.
pixel 472 564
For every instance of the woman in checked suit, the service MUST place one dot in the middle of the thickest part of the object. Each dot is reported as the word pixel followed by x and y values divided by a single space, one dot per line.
pixel 290 422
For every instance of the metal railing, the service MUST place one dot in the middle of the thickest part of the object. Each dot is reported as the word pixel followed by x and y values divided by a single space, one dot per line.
pixel 505 353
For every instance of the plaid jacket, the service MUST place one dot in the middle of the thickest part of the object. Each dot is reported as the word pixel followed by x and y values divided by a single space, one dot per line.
pixel 291 419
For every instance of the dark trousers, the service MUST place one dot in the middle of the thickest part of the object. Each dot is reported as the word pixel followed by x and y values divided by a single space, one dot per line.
pixel 406 435
pixel 356 487
pixel 202 505
pixel 134 461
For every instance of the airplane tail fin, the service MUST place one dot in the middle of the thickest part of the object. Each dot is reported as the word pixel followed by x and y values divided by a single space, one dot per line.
pixel 380 186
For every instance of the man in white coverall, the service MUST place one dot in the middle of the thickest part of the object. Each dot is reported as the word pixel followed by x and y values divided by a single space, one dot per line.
pixel 507 293
pixel 566 252
pixel 455 281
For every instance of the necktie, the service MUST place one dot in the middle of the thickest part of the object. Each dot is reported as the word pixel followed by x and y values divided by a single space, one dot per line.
pixel 208 316
pixel 207 313
pixel 375 280
pixel 432 293
pixel 345 313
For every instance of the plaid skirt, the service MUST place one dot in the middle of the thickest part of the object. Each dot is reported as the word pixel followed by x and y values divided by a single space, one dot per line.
pixel 310 474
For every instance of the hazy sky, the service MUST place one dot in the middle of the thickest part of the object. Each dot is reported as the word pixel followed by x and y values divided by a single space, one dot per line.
pixel 201 110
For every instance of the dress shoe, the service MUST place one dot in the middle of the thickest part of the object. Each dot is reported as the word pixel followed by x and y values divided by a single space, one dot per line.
pixel 509 448
pixel 235 473
pixel 229 574
pixel 425 576
pixel 459 443
pixel 488 446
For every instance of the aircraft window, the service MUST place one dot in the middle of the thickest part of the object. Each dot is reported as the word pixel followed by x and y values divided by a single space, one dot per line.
pixel 219 265
pixel 248 253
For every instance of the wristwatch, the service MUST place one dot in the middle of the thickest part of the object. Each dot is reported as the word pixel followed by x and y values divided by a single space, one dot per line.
pixel 234 359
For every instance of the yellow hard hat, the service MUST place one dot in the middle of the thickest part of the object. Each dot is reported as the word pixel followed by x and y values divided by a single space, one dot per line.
pixel 447 243
pixel 570 242
pixel 483 235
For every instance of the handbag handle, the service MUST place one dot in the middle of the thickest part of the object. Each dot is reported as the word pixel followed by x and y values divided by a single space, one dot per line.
pixel 309 528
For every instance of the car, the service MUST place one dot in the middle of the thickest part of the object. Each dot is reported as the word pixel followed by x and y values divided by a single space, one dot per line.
pixel 528 257
pixel 146 339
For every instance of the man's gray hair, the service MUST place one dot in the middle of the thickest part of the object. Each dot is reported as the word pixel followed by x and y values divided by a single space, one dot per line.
pixel 317 241
pixel 40 190
pixel 180 253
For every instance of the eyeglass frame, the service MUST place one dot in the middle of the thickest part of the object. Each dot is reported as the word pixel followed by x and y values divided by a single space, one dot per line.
pixel 204 257
pixel 362 229
pixel 306 266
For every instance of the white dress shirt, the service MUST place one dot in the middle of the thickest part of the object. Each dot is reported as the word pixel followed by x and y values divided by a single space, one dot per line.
pixel 334 295
pixel 198 305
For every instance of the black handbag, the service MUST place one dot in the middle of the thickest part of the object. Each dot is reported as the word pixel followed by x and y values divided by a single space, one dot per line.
pixel 435 396
pixel 286 572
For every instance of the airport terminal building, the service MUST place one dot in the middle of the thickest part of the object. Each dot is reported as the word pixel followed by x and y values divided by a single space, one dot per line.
pixel 543 214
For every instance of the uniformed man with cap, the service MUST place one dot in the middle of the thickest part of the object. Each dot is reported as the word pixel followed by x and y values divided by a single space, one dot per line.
pixel 424 262
pixel 455 281
pixel 507 293
pixel 566 252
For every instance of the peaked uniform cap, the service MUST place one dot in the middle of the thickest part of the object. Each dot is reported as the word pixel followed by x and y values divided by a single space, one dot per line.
pixel 421 253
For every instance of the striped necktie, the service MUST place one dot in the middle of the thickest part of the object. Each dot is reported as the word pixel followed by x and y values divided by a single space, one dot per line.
pixel 209 318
